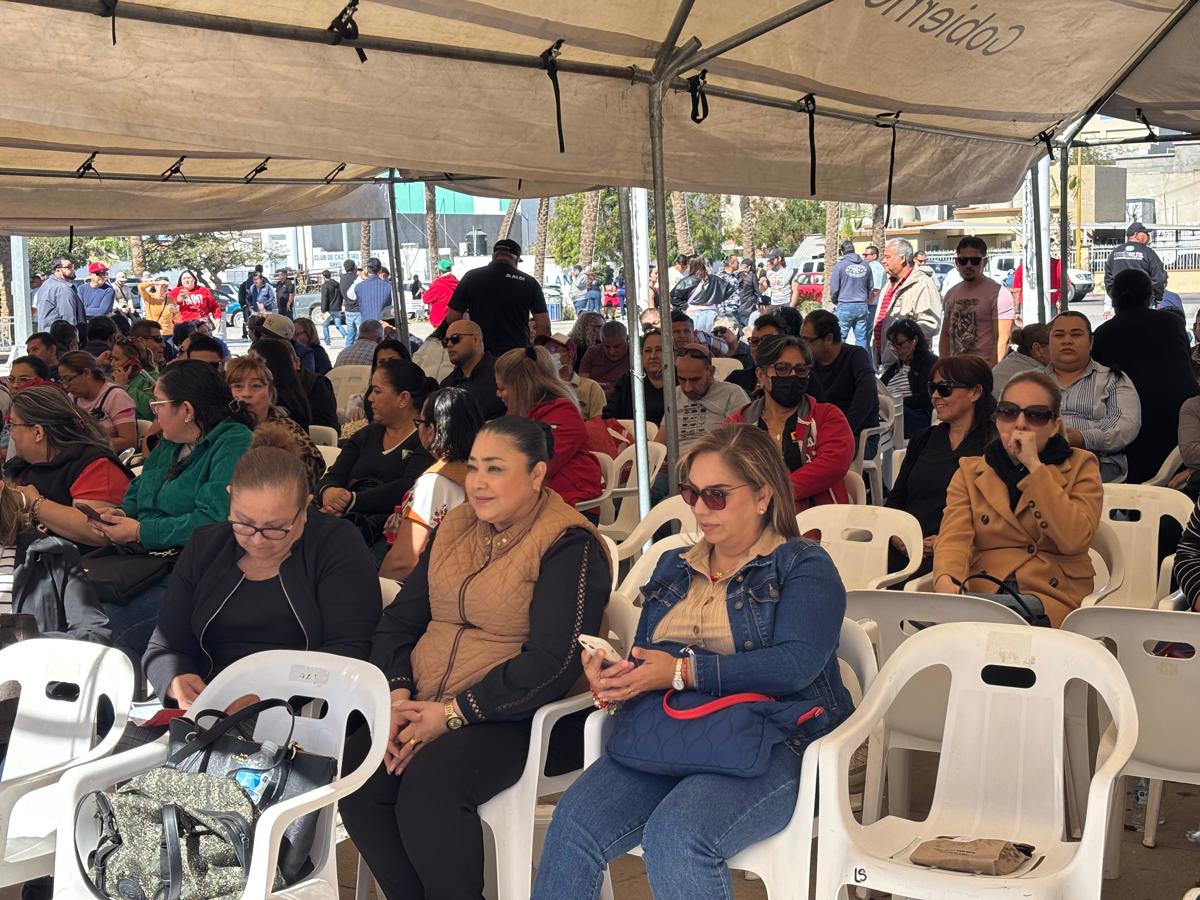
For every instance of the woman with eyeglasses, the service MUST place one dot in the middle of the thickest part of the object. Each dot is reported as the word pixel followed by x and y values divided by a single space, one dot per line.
pixel 961 392
pixel 907 379
pixel 25 372
pixel 306 334
pixel 450 420
pixel 60 455
pixel 813 438
pixel 528 383
pixel 131 365
pixel 749 608
pixel 1026 510
pixel 183 485
pixel 108 403
pixel 276 575
pixel 621 404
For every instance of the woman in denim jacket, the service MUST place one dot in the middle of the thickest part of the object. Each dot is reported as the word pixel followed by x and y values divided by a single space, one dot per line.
pixel 751 607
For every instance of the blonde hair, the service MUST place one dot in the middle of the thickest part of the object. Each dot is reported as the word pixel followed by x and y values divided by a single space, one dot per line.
pixel 13 516
pixel 751 453
pixel 1042 380
pixel 529 375
pixel 242 367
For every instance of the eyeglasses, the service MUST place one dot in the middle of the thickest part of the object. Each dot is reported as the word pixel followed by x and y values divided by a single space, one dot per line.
pixel 158 339
pixel 427 422
pixel 1034 415
pixel 67 379
pixel 155 404
pixel 244 529
pixel 452 339
pixel 714 497
pixel 783 370
pixel 901 343
pixel 721 329
pixel 21 379
pixel 969 260
pixel 945 388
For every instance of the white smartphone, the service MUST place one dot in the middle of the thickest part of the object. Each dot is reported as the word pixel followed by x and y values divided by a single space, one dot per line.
pixel 600 645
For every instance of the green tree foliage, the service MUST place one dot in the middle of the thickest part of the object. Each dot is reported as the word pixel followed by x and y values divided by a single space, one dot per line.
pixel 785 223
pixel 43 250
pixel 207 253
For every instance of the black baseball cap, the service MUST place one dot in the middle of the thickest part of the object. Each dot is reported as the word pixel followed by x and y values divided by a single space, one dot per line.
pixel 1136 228
pixel 507 246
pixel 775 254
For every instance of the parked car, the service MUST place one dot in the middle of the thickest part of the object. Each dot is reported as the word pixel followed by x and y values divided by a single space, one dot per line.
pixel 812 285
pixel 1082 284
pixel 941 271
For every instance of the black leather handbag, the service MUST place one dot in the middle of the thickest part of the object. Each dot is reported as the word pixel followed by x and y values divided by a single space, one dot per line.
pixel 225 747
pixel 120 572
pixel 1027 606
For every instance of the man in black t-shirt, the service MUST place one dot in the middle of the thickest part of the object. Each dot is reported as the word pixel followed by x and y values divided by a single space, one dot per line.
pixel 501 300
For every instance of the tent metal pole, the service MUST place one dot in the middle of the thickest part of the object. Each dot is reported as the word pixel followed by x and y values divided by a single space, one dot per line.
pixel 638 373
pixel 1064 226
pixel 659 177
pixel 699 58
pixel 398 304
pixel 1039 270
pixel 157 179
pixel 1189 138
pixel 667 48
pixel 22 310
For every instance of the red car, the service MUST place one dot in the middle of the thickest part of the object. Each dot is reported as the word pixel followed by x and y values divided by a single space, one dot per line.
pixel 812 285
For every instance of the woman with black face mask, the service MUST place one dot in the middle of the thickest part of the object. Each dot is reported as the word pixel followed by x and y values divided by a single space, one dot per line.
pixel 814 438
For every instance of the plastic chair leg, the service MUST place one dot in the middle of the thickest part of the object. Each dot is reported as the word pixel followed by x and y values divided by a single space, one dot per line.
pixel 606 890
pixel 1116 825
pixel 899 772
pixel 362 881
pixel 873 789
pixel 1153 808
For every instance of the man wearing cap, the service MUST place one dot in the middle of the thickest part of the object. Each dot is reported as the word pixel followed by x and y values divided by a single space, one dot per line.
pixel 373 293
pixel 474 368
pixel 278 326
pixel 441 289
pixel 501 299
pixel 97 294
pixel 779 281
pixel 57 299
pixel 588 392
pixel 1135 253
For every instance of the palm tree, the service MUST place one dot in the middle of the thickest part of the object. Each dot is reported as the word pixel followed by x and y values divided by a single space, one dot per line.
pixel 590 218
pixel 878 226
pixel 683 228
pixel 431 232
pixel 833 227
pixel 364 242
pixel 137 255
pixel 543 228
pixel 509 215
pixel 747 228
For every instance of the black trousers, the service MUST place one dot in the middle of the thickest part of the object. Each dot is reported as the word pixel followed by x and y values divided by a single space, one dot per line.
pixel 420 831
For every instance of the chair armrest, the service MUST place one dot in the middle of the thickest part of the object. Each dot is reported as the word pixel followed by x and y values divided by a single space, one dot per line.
pixel 544 721
pixel 922 585
pixel 268 832
pixel 596 730
pixel 592 504
pixel 1174 601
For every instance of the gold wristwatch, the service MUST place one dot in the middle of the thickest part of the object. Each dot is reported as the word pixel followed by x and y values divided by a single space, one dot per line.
pixel 453 720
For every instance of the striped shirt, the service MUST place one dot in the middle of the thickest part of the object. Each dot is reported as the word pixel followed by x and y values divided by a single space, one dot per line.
pixel 1187 560
pixel 373 294
pixel 1104 407
pixel 8 562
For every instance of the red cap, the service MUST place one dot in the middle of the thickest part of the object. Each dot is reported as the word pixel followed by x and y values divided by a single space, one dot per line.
pixel 97 268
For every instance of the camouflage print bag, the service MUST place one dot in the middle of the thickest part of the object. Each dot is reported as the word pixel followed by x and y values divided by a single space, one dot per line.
pixel 173 835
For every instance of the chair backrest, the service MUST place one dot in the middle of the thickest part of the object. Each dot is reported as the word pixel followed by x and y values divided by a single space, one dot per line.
pixel 673 509
pixel 61 684
pixel 348 381
pixel 856 651
pixel 1106 548
pixel 323 435
pixel 329 454
pixel 856 488
pixel 1172 464
pixel 1165 687
pixel 608 474
pixel 726 366
pixel 651 428
pixel 388 589
pixel 1002 750
pixel 628 511
pixel 640 572
pixel 887 419
pixel 857 537
pixel 1139 540
pixel 611 546
pixel 898 460
pixel 143 427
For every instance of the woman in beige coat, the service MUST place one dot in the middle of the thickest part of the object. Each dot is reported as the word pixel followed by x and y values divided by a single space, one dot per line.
pixel 1027 509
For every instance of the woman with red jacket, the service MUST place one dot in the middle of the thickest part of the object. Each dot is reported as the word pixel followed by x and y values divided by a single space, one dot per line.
pixel 528 383
pixel 814 438
pixel 195 301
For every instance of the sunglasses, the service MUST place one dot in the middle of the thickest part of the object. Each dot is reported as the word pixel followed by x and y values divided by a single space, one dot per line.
pixel 969 260
pixel 1034 415
pixel 721 329
pixel 453 339
pixel 945 388
pixel 426 422
pixel 694 354
pixel 714 497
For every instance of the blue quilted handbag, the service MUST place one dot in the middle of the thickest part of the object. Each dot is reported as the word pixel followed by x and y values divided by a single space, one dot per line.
pixel 689 733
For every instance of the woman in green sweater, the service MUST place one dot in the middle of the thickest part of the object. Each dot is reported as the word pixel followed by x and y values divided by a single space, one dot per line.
pixel 184 483
pixel 131 365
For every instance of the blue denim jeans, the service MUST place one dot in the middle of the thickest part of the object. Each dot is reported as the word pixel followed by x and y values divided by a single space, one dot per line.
pixel 856 317
pixel 353 320
pixel 338 320
pixel 703 318
pixel 687 827
pixel 134 622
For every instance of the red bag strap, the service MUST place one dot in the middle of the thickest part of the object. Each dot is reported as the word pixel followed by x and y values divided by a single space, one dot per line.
pixel 706 709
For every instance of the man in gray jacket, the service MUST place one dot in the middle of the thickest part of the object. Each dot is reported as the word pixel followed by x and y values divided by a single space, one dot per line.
pixel 908 294
pixel 57 299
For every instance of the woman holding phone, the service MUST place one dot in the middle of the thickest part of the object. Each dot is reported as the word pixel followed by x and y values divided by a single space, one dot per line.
pixel 130 364
pixel 751 607
pixel 1027 509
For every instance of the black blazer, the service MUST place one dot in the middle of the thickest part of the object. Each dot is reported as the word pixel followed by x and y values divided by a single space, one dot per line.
pixel 330 577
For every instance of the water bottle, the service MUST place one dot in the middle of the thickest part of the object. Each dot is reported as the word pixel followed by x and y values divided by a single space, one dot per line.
pixel 257 773
pixel 392 525
pixel 1141 789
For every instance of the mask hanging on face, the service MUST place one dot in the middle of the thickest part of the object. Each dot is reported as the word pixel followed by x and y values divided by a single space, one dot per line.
pixel 788 390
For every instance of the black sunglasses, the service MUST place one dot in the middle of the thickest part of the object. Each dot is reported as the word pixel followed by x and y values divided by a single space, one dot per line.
pixel 417 421
pixel 694 354
pixel 714 498
pixel 970 260
pixel 945 388
pixel 453 339
pixel 1034 415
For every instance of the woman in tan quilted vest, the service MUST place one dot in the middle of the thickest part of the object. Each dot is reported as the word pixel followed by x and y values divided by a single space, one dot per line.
pixel 483 633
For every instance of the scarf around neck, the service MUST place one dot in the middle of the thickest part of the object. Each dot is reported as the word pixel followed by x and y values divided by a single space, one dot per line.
pixel 1056 452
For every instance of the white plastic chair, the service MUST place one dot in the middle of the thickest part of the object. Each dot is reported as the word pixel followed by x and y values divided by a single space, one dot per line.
pixel 323 435
pixel 915 721
pixel 896 462
pixel 389 588
pixel 857 537
pixel 1163 688
pixel 346 685
pixel 49 736
pixel 348 381
pixel 872 467
pixel 726 366
pixel 608 481
pixel 856 488
pixel 651 428
pixel 329 454
pixel 1107 547
pixel 673 509
pixel 781 860
pixel 611 546
pixel 639 573
pixel 625 495
pixel 1172 464
pixel 1145 581
pixel 1003 767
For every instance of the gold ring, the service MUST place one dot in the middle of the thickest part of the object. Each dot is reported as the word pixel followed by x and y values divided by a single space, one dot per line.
pixel 413 742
